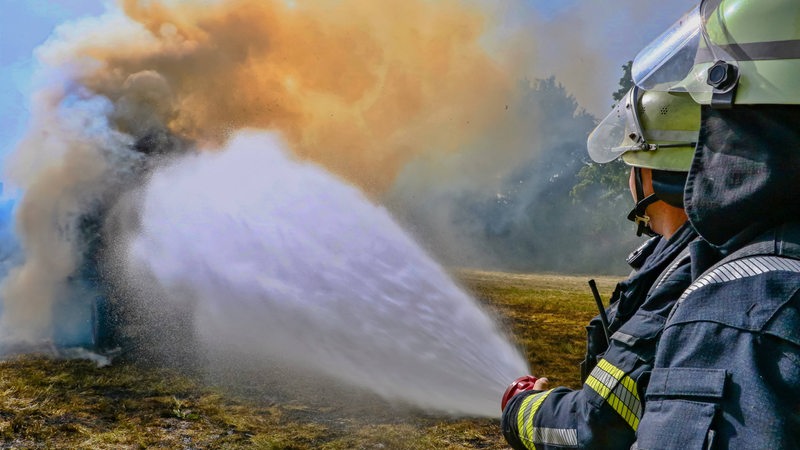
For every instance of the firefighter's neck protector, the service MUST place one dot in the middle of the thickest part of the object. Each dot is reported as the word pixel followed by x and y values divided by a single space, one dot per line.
pixel 744 179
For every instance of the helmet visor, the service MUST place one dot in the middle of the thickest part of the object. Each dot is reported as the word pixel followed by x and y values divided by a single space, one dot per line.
pixel 618 133
pixel 666 61
pixel 679 59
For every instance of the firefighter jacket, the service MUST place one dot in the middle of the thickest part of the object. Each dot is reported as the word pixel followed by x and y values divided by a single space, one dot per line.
pixel 605 412
pixel 727 367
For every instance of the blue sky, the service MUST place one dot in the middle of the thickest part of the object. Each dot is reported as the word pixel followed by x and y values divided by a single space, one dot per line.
pixel 25 24
pixel 551 8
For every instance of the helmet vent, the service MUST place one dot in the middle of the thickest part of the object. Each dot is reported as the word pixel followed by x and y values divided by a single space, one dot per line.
pixel 664 110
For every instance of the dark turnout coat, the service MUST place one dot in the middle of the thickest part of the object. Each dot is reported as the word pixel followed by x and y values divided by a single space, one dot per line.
pixel 727 367
pixel 605 413
pixel 725 373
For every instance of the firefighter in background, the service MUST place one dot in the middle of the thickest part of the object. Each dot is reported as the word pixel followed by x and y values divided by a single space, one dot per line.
pixel 655 133
pixel 727 367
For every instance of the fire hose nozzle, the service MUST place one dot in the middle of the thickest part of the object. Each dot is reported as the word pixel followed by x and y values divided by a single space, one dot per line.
pixel 521 384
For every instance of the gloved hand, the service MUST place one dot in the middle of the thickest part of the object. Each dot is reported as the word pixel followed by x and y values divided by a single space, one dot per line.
pixel 525 383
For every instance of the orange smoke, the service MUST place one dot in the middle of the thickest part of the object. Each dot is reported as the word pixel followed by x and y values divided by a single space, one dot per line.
pixel 360 87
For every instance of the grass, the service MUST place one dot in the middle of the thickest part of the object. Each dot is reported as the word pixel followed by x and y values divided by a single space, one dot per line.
pixel 544 314
pixel 48 403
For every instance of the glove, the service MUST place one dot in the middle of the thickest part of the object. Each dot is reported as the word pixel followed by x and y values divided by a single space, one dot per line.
pixel 521 384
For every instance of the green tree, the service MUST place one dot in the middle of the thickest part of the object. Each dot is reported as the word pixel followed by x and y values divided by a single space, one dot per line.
pixel 625 82
pixel 554 211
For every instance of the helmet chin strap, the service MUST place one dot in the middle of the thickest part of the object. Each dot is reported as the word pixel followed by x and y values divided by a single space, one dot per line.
pixel 637 214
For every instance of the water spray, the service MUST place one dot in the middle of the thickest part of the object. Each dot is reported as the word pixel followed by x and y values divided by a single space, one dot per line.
pixel 283 260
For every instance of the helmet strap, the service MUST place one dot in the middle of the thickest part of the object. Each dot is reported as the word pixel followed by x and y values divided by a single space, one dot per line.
pixel 637 214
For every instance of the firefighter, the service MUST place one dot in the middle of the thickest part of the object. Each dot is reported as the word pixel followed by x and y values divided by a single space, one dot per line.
pixel 727 367
pixel 655 133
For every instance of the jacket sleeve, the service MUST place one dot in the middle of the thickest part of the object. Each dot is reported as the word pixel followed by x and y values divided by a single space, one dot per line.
pixel 606 411
pixel 603 414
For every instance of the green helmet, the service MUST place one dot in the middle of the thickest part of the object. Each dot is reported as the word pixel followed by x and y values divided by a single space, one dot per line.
pixel 726 52
pixel 648 129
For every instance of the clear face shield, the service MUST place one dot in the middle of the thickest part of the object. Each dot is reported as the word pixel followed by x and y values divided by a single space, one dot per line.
pixel 619 132
pixel 685 59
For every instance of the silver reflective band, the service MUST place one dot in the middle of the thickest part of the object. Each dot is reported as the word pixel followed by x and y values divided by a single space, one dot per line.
pixel 623 337
pixel 563 437
pixel 742 268
pixel 682 258
pixel 618 390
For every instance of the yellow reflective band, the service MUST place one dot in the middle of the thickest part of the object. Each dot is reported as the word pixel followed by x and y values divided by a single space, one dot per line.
pixel 599 387
pixel 630 386
pixel 618 390
pixel 525 417
pixel 608 367
pixel 523 408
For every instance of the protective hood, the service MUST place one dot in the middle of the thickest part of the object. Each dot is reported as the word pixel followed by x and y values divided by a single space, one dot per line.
pixel 745 175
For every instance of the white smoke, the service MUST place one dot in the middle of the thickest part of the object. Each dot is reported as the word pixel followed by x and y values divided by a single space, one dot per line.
pixel 68 165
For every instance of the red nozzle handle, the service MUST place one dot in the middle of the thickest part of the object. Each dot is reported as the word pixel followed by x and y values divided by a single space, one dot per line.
pixel 519 385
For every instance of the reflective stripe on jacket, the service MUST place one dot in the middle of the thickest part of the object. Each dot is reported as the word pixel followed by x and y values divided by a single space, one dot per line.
pixel 605 413
pixel 727 368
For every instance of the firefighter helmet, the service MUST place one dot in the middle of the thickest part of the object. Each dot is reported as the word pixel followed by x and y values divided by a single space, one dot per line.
pixel 726 52
pixel 648 129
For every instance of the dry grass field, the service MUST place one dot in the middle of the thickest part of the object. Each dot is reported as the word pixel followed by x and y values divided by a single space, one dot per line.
pixel 47 403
